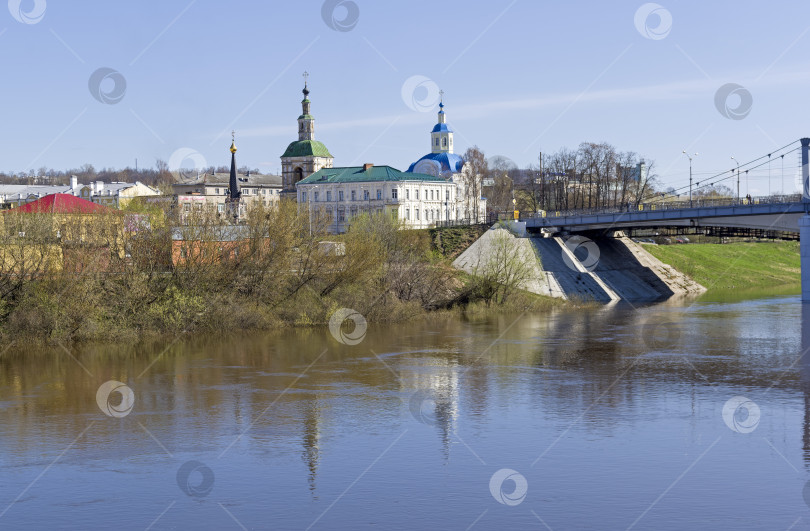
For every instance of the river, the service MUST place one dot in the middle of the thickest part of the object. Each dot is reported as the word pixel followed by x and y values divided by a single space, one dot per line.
pixel 681 415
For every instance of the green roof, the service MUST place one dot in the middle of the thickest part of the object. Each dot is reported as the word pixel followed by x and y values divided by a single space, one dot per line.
pixel 306 117
pixel 307 148
pixel 356 174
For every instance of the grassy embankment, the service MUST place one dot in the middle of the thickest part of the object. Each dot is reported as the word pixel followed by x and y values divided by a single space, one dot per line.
pixel 736 266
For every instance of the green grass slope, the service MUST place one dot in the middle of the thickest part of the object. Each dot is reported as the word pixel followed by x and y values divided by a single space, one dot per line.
pixel 754 265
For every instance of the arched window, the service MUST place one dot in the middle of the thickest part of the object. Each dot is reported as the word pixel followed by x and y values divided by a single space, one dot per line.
pixel 299 174
pixel 444 142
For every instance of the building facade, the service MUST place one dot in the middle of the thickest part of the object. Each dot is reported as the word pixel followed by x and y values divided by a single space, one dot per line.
pixel 416 200
pixel 306 155
pixel 115 195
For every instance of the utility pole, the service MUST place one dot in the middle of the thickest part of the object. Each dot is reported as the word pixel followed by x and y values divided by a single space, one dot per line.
pixel 738 177
pixel 690 175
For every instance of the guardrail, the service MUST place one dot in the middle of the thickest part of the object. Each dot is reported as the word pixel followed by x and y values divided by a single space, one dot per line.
pixel 659 205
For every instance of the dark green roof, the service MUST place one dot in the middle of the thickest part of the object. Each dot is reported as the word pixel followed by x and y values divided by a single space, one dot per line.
pixel 306 117
pixel 356 174
pixel 307 148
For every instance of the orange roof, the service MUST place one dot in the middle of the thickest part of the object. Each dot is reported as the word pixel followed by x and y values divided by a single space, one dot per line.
pixel 61 204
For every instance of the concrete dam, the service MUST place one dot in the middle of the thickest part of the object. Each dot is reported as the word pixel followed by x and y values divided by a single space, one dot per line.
pixel 576 267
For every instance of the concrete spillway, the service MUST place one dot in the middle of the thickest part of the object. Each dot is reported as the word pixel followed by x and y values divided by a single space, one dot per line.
pixel 604 269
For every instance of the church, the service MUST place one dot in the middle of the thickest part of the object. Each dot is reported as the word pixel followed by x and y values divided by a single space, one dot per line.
pixel 306 155
pixel 433 191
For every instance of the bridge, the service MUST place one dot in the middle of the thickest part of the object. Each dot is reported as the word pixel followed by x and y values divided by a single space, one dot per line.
pixel 785 213
pixel 759 214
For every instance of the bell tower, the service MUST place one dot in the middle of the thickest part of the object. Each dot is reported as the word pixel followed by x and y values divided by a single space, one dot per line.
pixel 441 138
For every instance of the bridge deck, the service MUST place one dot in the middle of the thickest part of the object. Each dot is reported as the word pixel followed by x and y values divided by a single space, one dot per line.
pixel 769 216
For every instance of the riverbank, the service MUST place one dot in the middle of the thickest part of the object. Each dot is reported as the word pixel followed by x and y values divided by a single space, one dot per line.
pixel 94 277
pixel 736 266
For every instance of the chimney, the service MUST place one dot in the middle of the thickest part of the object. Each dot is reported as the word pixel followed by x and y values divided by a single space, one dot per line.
pixel 74 182
pixel 367 166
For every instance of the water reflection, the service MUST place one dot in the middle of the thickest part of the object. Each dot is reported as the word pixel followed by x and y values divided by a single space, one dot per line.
pixel 473 392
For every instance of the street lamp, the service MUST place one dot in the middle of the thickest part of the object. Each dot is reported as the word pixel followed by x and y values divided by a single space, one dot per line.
pixel 690 175
pixel 738 177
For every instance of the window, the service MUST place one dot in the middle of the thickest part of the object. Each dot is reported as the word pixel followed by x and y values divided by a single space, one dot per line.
pixel 407 213
pixel 187 207
pixel 444 142
pixel 394 193
pixel 379 194
pixel 341 215
pixel 431 195
pixel 417 196
pixel 220 208
pixel 303 197
pixel 329 195
pixel 315 198
pixel 365 195
pixel 354 195
pixel 447 195
pixel 416 214
pixel 407 194
pixel 340 196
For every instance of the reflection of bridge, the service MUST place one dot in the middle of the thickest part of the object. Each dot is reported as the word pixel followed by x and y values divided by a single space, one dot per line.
pixel 788 216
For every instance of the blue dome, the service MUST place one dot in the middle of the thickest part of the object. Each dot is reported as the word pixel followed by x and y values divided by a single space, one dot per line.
pixel 441 127
pixel 437 164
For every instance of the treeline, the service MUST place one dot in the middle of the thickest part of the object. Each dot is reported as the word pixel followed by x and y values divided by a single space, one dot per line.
pixel 591 176
pixel 159 175
pixel 121 274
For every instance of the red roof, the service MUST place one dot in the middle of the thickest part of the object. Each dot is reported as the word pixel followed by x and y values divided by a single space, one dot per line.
pixel 61 204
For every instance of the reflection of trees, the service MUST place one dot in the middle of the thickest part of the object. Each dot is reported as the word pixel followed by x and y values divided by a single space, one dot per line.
pixel 200 394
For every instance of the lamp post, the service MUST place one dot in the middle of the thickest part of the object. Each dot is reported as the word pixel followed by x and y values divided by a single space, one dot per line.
pixel 690 175
pixel 738 177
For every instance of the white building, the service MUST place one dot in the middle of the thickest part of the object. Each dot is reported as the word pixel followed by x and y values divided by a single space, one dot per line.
pixel 113 195
pixel 442 162
pixel 418 201
pixel 211 190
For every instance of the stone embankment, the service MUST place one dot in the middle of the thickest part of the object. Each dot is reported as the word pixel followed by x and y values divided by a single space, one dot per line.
pixel 574 267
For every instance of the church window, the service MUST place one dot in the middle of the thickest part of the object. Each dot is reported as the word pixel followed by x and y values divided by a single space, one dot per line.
pixel 299 174
pixel 328 195
pixel 303 197
pixel 416 214
pixel 379 194
pixel 444 142
pixel 447 195
pixel 417 196
pixel 354 195
pixel 340 195
pixel 394 193
pixel 431 195
pixel 407 213
pixel 315 198
pixel 437 141
pixel 407 194
pixel 365 195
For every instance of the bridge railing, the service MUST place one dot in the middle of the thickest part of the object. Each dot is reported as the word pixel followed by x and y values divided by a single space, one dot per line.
pixel 666 205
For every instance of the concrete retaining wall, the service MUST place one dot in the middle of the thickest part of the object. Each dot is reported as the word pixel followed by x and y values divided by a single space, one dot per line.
pixel 578 268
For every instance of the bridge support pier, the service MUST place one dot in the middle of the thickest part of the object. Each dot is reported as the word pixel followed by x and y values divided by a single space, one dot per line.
pixel 804 252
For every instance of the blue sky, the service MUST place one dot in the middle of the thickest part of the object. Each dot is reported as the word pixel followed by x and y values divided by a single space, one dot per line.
pixel 519 77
